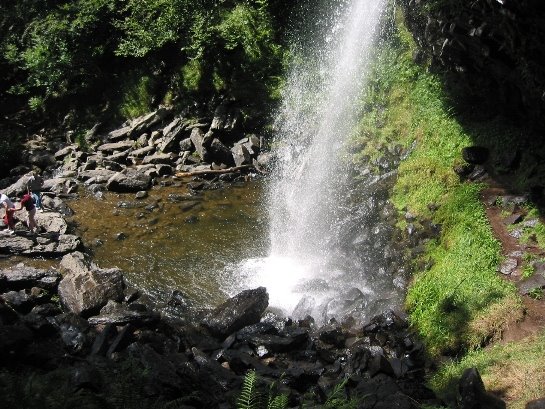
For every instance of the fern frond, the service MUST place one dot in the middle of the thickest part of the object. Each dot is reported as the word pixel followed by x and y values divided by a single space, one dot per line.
pixel 278 402
pixel 249 398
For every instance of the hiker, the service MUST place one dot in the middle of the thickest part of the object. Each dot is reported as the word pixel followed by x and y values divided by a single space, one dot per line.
pixel 28 203
pixel 34 184
pixel 9 207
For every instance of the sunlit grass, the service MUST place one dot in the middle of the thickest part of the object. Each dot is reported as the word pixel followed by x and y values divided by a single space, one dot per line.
pixel 516 371
pixel 459 302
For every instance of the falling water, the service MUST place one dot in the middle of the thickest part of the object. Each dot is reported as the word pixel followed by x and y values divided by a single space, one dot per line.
pixel 306 270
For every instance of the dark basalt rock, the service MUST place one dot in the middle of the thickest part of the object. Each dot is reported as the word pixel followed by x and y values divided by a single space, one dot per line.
pixel 472 393
pixel 244 309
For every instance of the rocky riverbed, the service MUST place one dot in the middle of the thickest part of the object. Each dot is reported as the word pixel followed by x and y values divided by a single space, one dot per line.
pixel 79 333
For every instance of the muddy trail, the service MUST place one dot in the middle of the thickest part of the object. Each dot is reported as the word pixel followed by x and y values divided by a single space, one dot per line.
pixel 523 260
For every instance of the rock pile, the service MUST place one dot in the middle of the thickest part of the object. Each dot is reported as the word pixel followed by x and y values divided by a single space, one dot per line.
pixel 198 359
pixel 128 159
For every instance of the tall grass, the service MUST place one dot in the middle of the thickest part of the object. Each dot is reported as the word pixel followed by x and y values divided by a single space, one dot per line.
pixel 516 371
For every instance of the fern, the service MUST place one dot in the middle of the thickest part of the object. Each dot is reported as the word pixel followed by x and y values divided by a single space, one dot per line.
pixel 249 397
pixel 278 402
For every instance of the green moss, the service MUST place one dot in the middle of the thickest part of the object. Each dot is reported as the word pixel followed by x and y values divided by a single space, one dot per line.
pixel 405 105
pixel 136 96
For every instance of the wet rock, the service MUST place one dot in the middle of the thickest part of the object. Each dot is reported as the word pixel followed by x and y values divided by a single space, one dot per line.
pixel 536 404
pixel 73 331
pixel 129 180
pixel 96 175
pixel 86 288
pixel 243 309
pixel 332 334
pixel 120 236
pixel 241 362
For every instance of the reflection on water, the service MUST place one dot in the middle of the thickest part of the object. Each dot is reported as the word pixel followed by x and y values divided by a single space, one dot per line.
pixel 173 239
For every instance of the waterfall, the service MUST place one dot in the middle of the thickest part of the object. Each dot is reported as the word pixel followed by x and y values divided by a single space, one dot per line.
pixel 306 269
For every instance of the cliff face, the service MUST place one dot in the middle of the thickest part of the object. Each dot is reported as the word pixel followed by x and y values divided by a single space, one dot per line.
pixel 491 50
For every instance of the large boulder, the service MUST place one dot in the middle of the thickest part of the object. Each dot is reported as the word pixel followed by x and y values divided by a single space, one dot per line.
pixel 238 312
pixel 241 155
pixel 197 138
pixel 227 122
pixel 472 393
pixel 146 122
pixel 86 288
pixel 172 135
pixel 129 181
pixel 51 222
pixel 221 153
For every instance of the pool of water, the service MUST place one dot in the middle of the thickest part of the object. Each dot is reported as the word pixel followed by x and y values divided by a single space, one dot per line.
pixel 173 239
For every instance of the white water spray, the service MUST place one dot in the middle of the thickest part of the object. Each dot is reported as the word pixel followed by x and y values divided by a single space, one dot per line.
pixel 304 269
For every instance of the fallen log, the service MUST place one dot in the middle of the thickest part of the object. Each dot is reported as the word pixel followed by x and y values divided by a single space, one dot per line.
pixel 212 171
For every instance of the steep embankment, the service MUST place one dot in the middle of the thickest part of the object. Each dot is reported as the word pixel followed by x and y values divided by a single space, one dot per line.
pixel 458 300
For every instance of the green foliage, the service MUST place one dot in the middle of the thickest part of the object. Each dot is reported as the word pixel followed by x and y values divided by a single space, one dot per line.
pixel 451 302
pixel 136 96
pixel 337 398
pixel 253 397
pixel 62 55
pixel 59 49
pixel 149 24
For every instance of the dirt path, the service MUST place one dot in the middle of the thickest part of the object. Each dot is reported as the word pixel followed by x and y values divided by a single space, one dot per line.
pixel 501 213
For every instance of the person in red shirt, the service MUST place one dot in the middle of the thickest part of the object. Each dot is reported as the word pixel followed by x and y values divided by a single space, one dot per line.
pixel 27 202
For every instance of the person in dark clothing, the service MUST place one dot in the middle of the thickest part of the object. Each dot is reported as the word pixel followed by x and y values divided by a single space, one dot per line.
pixel 27 202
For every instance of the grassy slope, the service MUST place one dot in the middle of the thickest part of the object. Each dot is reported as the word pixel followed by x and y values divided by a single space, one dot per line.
pixel 459 303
